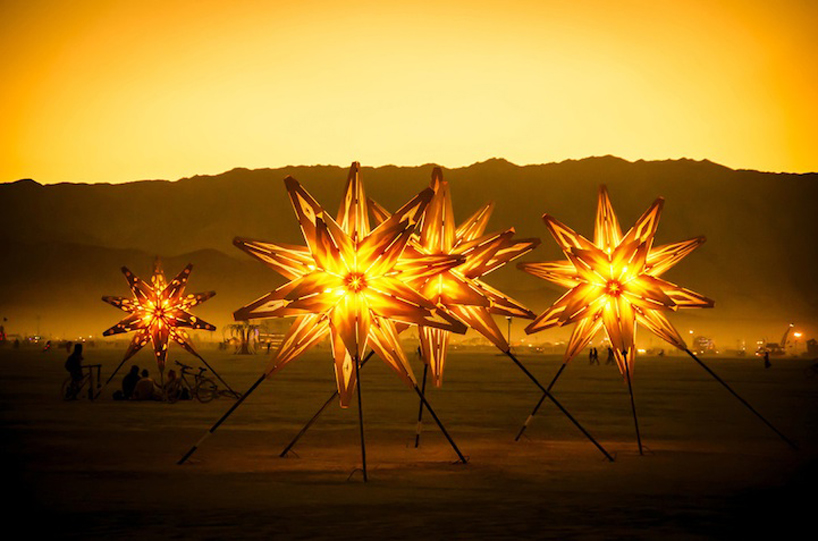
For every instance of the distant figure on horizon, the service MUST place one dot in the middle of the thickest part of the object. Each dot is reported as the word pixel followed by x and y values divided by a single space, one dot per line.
pixel 767 359
pixel 610 359
pixel 68 346
pixel 146 388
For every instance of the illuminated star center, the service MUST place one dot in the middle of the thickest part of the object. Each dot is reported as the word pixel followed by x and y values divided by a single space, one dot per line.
pixel 355 282
pixel 156 310
pixel 613 288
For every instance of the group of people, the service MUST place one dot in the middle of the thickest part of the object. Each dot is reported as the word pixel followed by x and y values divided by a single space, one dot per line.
pixel 593 356
pixel 138 385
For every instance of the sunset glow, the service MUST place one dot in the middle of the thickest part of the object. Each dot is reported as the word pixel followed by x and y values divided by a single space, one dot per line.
pixel 101 91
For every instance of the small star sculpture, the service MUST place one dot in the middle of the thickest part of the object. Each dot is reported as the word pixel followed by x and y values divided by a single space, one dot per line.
pixel 158 312
pixel 614 283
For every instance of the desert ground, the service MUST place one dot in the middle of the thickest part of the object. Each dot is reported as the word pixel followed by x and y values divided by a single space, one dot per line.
pixel 107 469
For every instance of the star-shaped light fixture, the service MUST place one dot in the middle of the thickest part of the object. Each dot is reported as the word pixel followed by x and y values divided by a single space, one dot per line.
pixel 159 312
pixel 459 289
pixel 347 283
pixel 614 283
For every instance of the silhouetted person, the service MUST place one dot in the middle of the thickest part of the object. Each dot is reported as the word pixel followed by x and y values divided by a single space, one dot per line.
pixel 74 363
pixel 170 381
pixel 74 366
pixel 68 346
pixel 767 359
pixel 610 359
pixel 146 388
pixel 129 382
pixel 269 345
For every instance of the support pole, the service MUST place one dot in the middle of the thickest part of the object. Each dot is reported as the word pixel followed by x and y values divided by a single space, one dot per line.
pixel 217 375
pixel 223 419
pixel 309 424
pixel 633 403
pixel 318 413
pixel 556 403
pixel 757 414
pixel 442 428
pixel 99 392
pixel 539 404
pixel 360 414
pixel 420 406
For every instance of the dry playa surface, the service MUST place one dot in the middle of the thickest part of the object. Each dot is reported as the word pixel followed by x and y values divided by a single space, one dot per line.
pixel 107 469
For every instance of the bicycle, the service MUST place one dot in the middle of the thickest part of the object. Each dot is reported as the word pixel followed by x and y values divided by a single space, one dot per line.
pixel 204 389
pixel 71 390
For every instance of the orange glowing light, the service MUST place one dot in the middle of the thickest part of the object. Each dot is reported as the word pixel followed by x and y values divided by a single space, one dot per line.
pixel 614 283
pixel 459 289
pixel 348 283
pixel 159 312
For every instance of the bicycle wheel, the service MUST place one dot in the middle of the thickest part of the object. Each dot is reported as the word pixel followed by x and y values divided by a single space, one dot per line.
pixel 206 390
pixel 67 390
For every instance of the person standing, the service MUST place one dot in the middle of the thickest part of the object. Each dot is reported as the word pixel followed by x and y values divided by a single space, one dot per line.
pixel 74 366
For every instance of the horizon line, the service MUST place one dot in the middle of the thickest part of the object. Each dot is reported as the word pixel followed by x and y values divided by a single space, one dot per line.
pixel 427 164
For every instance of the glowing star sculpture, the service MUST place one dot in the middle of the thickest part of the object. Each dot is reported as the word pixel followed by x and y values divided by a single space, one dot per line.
pixel 614 283
pixel 159 312
pixel 459 288
pixel 347 283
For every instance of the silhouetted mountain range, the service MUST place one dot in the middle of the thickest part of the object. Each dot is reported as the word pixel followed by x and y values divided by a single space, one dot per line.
pixel 63 244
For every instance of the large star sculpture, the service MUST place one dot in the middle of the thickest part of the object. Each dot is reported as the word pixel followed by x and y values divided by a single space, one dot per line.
pixel 614 283
pixel 347 283
pixel 158 312
pixel 459 289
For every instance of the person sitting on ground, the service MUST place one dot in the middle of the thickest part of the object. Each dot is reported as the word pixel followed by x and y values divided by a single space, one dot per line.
pixel 129 382
pixel 170 383
pixel 174 390
pixel 146 388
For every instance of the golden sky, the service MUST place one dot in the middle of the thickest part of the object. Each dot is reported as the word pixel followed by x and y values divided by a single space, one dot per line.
pixel 115 91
